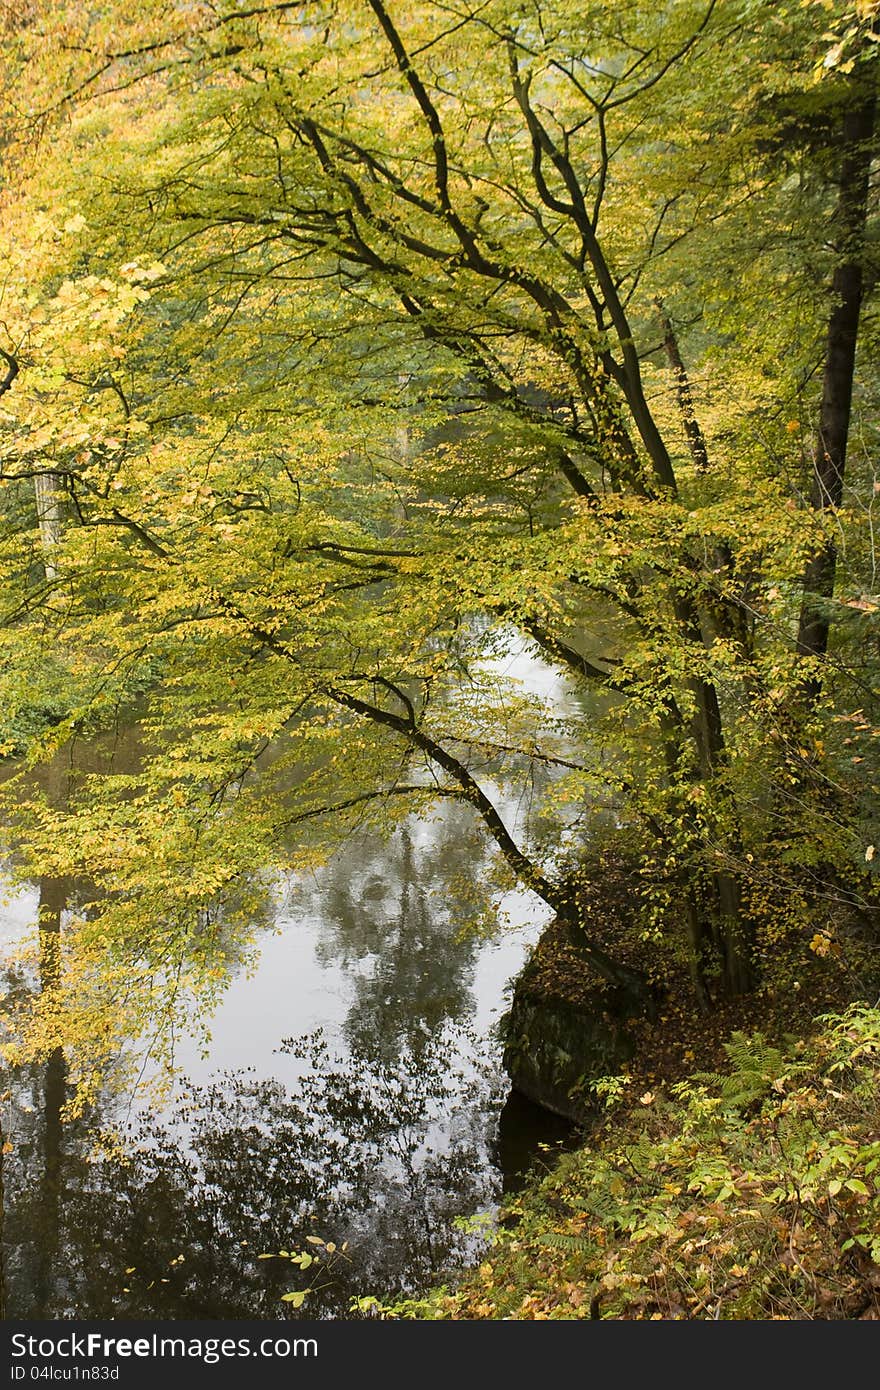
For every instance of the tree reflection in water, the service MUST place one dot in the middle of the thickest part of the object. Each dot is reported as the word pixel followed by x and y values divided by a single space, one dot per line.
pixel 382 1155
pixel 391 917
pixel 381 1150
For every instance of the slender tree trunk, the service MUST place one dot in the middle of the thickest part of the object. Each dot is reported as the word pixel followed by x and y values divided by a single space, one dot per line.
pixel 725 927
pixel 47 491
pixel 829 450
pixel 728 929
pixel 52 898
pixel 3 1303
pixel 695 438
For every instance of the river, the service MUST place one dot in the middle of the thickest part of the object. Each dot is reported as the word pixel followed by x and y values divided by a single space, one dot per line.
pixel 346 1133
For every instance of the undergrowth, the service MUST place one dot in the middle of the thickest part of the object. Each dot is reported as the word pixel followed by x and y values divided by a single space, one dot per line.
pixel 752 1194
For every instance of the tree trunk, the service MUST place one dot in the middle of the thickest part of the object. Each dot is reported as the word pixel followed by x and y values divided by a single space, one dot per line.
pixel 3 1303
pixel 695 438
pixel 47 491
pixel 725 927
pixel 52 898
pixel 829 450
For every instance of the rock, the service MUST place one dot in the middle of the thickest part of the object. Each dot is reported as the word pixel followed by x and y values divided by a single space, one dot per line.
pixel 563 1031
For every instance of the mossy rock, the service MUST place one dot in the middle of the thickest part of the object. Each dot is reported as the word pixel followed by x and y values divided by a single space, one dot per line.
pixel 564 1030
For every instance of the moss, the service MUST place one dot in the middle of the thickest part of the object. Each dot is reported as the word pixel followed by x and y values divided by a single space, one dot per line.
pixel 561 1033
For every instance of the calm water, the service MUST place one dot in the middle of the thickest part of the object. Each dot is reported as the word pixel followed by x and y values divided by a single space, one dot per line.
pixel 351 1107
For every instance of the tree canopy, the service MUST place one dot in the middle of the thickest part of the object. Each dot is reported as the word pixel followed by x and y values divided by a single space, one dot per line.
pixel 346 344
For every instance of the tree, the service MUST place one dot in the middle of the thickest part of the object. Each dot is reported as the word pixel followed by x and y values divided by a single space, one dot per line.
pixel 464 219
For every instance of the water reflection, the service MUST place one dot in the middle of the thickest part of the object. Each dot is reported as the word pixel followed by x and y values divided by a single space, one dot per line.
pixel 380 1132
pixel 392 922
pixel 380 1140
pixel 140 977
pixel 379 1156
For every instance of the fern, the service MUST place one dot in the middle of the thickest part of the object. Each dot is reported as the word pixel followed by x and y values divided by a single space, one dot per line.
pixel 642 1155
pixel 558 1240
pixel 756 1068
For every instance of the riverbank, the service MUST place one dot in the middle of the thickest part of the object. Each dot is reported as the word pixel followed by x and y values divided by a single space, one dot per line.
pixel 567 1028
pixel 749 1193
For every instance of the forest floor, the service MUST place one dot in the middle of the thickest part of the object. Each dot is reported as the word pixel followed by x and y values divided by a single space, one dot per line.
pixel 753 1193
pixel 732 1170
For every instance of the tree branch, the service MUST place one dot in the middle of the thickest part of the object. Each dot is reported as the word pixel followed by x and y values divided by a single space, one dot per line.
pixel 525 870
pixel 12 370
